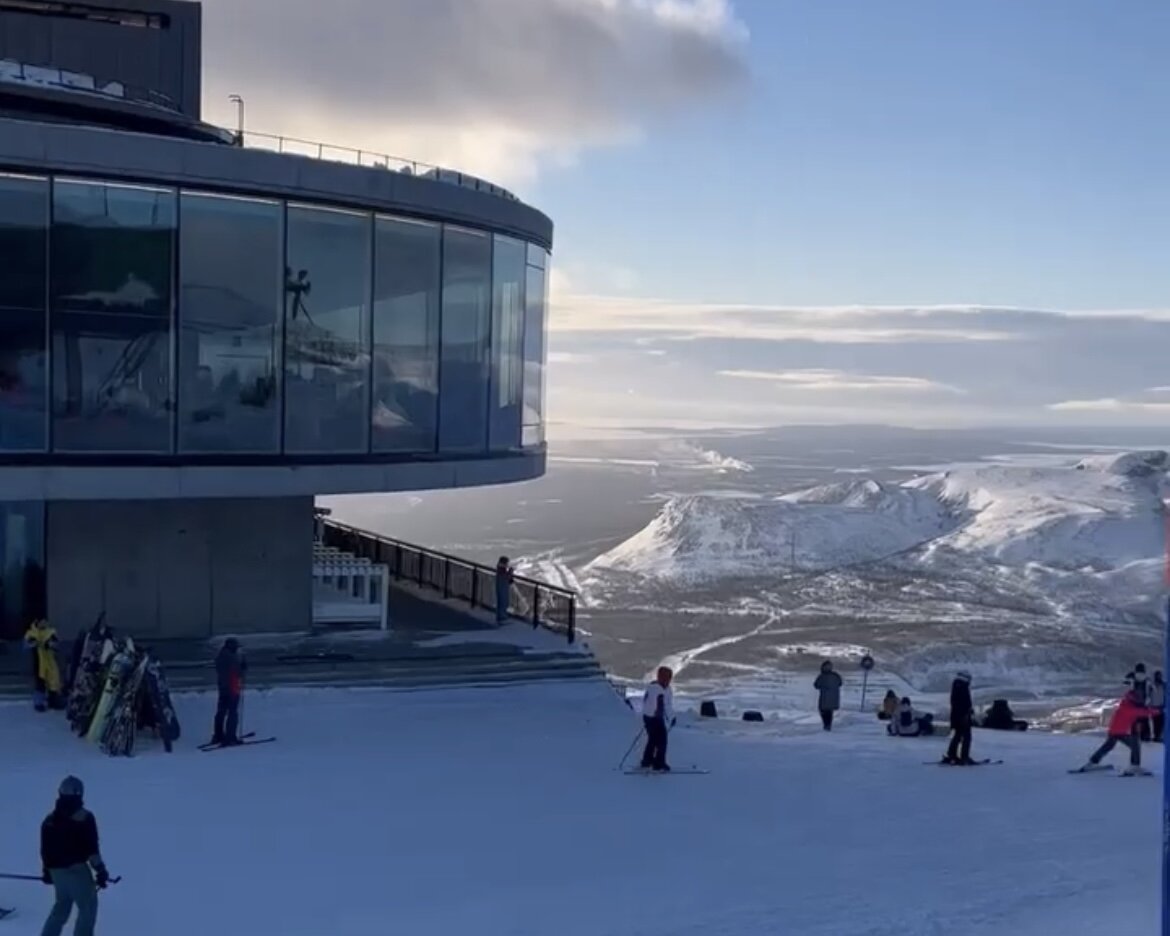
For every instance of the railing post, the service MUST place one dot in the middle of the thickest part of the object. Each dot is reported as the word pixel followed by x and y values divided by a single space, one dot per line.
pixel 475 588
pixel 421 558
pixel 535 607
pixel 446 578
pixel 572 619
pixel 397 562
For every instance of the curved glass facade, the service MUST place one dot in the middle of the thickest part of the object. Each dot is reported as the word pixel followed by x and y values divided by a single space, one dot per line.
pixel 147 321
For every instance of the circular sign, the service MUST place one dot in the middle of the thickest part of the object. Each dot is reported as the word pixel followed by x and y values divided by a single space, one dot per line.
pixel 867 662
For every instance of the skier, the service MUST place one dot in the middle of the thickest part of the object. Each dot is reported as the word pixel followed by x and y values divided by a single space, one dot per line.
pixel 1157 702
pixel 1122 727
pixel 1142 686
pixel 962 712
pixel 657 717
pixel 828 686
pixel 42 640
pixel 71 861
pixel 230 667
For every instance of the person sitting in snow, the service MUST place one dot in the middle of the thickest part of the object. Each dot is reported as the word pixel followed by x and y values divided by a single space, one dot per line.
pixel 657 717
pixel 41 639
pixel 962 715
pixel 1122 728
pixel 230 667
pixel 1000 717
pixel 909 723
pixel 889 706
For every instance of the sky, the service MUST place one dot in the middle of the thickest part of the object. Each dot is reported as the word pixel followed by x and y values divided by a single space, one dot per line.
pixel 775 211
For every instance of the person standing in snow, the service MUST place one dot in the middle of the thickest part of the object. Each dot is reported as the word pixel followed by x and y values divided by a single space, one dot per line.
pixel 657 718
pixel 828 686
pixel 1122 728
pixel 962 715
pixel 71 861
pixel 1157 703
pixel 504 578
pixel 230 667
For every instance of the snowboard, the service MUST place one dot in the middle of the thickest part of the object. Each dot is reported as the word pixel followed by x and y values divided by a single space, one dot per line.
pixel 158 696
pixel 88 682
pixel 121 729
pixel 120 668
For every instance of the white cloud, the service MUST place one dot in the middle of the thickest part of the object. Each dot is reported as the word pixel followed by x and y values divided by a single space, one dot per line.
pixel 836 380
pixel 1109 405
pixel 494 87
pixel 568 357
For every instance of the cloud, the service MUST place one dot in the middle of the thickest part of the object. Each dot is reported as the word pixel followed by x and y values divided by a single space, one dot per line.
pixel 498 87
pixel 568 357
pixel 1109 405
pixel 836 380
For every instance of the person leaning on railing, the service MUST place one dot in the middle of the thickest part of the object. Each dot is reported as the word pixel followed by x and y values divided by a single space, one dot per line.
pixel 505 575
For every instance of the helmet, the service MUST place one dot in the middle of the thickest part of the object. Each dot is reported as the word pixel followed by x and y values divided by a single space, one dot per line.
pixel 71 786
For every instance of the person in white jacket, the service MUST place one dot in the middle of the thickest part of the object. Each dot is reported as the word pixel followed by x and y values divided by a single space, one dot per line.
pixel 657 716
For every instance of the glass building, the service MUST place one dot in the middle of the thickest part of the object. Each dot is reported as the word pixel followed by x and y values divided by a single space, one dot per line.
pixel 197 336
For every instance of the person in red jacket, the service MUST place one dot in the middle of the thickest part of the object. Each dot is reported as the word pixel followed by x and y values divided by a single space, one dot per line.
pixel 1123 728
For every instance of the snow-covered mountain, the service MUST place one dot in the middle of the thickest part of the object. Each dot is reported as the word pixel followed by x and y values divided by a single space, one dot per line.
pixel 1096 516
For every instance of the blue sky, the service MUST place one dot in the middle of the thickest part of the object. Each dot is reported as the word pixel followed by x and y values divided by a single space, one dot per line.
pixel 904 151
pixel 931 212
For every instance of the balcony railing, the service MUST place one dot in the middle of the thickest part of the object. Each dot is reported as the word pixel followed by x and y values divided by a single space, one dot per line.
pixel 357 157
pixel 541 604
pixel 61 79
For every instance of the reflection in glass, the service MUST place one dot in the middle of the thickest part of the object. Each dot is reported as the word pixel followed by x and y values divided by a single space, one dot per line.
pixel 466 337
pixel 22 566
pixel 24 213
pixel 231 266
pixel 406 335
pixel 326 331
pixel 536 307
pixel 508 274
pixel 112 249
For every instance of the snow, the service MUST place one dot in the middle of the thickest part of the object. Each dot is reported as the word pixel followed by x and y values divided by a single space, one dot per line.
pixel 524 637
pixel 501 814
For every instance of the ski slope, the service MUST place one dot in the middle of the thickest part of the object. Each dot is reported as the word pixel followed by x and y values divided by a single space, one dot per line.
pixel 500 813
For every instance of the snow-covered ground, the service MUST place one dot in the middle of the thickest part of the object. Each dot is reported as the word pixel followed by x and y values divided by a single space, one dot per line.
pixel 501 812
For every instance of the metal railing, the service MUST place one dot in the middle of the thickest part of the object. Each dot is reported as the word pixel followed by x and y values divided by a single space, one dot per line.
pixel 539 603
pixel 373 160
pixel 50 76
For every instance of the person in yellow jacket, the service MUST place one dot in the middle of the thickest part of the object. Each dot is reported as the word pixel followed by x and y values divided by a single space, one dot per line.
pixel 42 640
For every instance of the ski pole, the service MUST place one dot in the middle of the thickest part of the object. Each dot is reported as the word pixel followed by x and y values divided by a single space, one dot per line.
pixel 630 749
pixel 39 879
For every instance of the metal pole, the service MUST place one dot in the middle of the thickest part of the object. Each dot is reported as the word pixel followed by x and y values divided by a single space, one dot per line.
pixel 1166 775
pixel 239 102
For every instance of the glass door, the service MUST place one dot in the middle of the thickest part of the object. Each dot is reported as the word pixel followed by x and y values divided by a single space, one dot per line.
pixel 22 566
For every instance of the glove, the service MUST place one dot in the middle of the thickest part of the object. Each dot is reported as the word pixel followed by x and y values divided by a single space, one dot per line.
pixel 102 877
pixel 45 876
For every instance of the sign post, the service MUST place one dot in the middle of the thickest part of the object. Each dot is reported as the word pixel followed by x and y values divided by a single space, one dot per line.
pixel 866 666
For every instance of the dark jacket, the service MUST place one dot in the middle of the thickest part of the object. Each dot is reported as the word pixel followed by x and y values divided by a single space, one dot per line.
pixel 69 836
pixel 828 687
pixel 961 707
pixel 230 667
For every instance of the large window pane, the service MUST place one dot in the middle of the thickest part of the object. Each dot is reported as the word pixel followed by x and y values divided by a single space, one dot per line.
pixel 466 337
pixel 406 335
pixel 112 252
pixel 326 331
pixel 231 264
pixel 508 273
pixel 24 213
pixel 534 347
pixel 22 566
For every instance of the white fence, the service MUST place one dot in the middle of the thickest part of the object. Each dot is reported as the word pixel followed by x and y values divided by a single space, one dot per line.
pixel 349 590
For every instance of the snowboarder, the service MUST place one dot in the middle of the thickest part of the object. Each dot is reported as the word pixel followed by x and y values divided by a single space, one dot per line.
pixel 41 639
pixel 962 712
pixel 71 861
pixel 828 686
pixel 657 717
pixel 1122 728
pixel 230 667
pixel 504 577
pixel 1157 703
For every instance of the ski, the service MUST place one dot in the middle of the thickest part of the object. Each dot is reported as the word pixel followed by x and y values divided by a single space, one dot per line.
pixel 243 743
pixel 986 762
pixel 214 744
pixel 6 912
pixel 1140 772
pixel 1091 768
pixel 684 771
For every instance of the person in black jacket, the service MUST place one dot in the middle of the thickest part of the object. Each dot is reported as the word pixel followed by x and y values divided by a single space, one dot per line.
pixel 71 861
pixel 230 667
pixel 962 712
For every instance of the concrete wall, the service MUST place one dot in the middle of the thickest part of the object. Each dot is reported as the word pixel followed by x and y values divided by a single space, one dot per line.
pixel 181 568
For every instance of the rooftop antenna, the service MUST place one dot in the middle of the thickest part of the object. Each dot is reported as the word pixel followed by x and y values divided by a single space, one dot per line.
pixel 239 102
